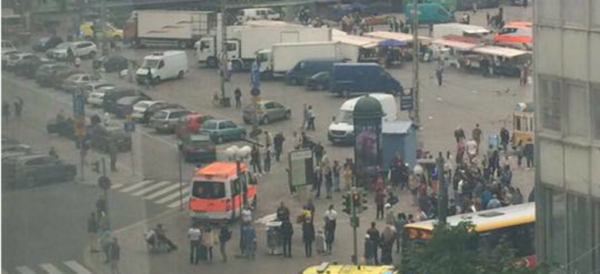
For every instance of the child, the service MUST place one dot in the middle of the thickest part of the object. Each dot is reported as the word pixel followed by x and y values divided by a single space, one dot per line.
pixel 320 241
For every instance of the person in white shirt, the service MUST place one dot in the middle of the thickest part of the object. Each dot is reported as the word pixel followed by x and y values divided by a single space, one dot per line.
pixel 194 235
pixel 246 215
pixel 331 215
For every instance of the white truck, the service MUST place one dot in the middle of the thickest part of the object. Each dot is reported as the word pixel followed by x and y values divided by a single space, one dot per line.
pixel 169 27
pixel 162 66
pixel 441 30
pixel 243 42
pixel 282 57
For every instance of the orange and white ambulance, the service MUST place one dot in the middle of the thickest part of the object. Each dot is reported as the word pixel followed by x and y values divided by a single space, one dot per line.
pixel 219 194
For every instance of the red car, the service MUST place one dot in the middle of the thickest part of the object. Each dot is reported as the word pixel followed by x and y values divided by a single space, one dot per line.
pixel 191 124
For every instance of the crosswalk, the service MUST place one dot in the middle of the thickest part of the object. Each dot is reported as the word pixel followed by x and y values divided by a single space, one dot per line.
pixel 164 193
pixel 66 267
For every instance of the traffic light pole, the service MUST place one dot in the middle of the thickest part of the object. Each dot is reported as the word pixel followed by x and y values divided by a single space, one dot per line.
pixel 354 227
pixel 443 191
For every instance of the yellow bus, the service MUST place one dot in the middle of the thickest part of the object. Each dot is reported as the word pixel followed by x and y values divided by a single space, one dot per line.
pixel 327 268
pixel 515 224
pixel 523 124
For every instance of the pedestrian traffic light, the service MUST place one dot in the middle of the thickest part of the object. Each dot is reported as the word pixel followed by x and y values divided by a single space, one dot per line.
pixel 347 203
pixel 96 167
pixel 357 201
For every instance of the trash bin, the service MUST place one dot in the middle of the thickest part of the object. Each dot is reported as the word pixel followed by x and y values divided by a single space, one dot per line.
pixel 274 238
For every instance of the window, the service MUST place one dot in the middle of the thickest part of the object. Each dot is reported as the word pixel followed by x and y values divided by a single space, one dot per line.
pixel 554 218
pixel 596 239
pixel 208 190
pixel 236 188
pixel 595 98
pixel 229 124
pixel 577 110
pixel 550 100
pixel 579 235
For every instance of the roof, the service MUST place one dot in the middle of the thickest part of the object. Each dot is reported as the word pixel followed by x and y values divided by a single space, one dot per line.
pixel 219 168
pixel 350 103
pixel 501 51
pixel 360 41
pixel 488 219
pixel 402 37
pixel 518 25
pixel 398 127
pixel 305 43
pixel 160 55
pixel 454 44
pixel 270 23
pixel 472 29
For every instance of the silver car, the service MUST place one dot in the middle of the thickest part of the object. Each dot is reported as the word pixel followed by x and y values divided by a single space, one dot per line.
pixel 268 111
pixel 77 81
pixel 165 121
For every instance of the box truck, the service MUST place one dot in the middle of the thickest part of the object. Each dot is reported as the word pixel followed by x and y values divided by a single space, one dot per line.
pixel 168 27
pixel 243 42
pixel 282 57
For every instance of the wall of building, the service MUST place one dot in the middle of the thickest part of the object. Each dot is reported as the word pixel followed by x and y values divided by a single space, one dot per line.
pixel 567 95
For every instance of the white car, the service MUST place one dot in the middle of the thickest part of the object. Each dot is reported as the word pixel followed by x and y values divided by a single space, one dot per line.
pixel 6 54
pixel 76 81
pixel 139 109
pixel 95 86
pixel 96 98
pixel 80 49
pixel 7 46
pixel 14 58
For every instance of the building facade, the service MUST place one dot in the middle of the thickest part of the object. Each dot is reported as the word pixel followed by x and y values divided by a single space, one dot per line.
pixel 567 142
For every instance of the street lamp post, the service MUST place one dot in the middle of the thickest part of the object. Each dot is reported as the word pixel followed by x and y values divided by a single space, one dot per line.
pixel 238 154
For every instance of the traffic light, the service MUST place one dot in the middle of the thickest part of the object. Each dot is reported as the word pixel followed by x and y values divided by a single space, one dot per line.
pixel 357 201
pixel 347 204
pixel 96 167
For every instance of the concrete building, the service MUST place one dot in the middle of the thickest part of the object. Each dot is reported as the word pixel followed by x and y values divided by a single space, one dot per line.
pixel 567 102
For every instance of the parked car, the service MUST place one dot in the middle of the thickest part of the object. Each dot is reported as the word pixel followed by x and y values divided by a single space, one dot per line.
pixel 319 81
pixel 223 130
pixel 63 75
pixel 306 68
pixel 269 111
pixel 44 76
pixel 153 109
pixel 110 98
pixel 191 124
pixel 198 148
pixel 6 55
pixel 77 81
pixel 124 106
pixel 139 109
pixel 351 78
pixel 12 145
pixel 96 97
pixel 94 86
pixel 165 121
pixel 112 63
pixel 28 67
pixel 35 170
pixel 64 128
pixel 80 49
pixel 11 64
pixel 46 43
pixel 101 137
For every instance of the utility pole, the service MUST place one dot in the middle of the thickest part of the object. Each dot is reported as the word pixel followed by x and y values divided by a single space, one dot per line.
pixel 224 61
pixel 443 190
pixel 105 50
pixel 354 223
pixel 415 29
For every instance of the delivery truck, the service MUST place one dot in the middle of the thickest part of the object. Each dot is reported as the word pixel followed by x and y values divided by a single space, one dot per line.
pixel 168 27
pixel 282 57
pixel 243 42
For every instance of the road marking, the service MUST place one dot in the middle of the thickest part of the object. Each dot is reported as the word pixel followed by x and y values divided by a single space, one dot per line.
pixel 268 218
pixel 162 191
pixel 150 188
pixel 25 270
pixel 176 204
pixel 173 196
pixel 75 266
pixel 51 269
pixel 115 186
pixel 136 186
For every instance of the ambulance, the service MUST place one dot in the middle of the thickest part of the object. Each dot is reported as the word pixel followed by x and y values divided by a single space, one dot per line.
pixel 219 194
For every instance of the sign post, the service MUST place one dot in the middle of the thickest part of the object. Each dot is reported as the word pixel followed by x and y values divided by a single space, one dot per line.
pixel 407 100
pixel 300 169
pixel 130 128
pixel 80 132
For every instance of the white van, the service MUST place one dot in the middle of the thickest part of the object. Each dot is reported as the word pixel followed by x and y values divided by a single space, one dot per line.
pixel 441 30
pixel 258 14
pixel 162 66
pixel 341 129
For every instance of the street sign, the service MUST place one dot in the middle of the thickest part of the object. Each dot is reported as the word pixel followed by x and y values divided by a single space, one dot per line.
pixel 129 127
pixel 78 104
pixel 406 100
pixel 255 75
pixel 79 126
pixel 300 168
pixel 104 182
pixel 255 92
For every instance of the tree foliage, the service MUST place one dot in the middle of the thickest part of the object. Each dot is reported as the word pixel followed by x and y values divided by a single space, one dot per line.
pixel 456 250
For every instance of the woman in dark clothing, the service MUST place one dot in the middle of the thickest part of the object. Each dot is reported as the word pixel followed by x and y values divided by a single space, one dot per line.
pixel 308 236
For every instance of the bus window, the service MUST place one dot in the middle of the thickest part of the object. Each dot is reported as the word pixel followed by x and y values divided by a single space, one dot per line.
pixel 208 190
pixel 520 238
pixel 236 187
pixel 517 122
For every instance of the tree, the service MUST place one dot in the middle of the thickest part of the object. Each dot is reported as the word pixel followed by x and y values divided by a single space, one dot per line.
pixel 456 250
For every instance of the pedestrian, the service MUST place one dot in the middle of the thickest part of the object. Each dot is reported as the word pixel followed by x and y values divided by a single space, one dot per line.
pixel 283 213
pixel 287 231
pixel 112 152
pixel 238 98
pixel 93 229
pixel 390 217
pixel 388 237
pixel 149 79
pixel 335 171
pixel 459 134
pixel 311 119
pixel 400 223
pixel 439 74
pixel 85 148
pixel 328 174
pixel 374 238
pixel 278 145
pixel 329 236
pixel 267 160
pixel 504 139
pixel 208 240
pixel 318 150
pixel 317 181
pixel 105 244
pixel 476 134
pixel 308 236
pixel 5 111
pixel 369 253
pixel 379 203
pixel 70 56
pixel 268 139
pixel 330 217
pixel 255 159
pixel 249 239
pixel 18 107
pixel 194 235
pixel 305 117
pixel 229 70
pixel 224 237
pixel 528 151
pixel 115 256
pixel 347 176
pixel 320 241
pixel 520 153
pixel 100 208
pixel 494 203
